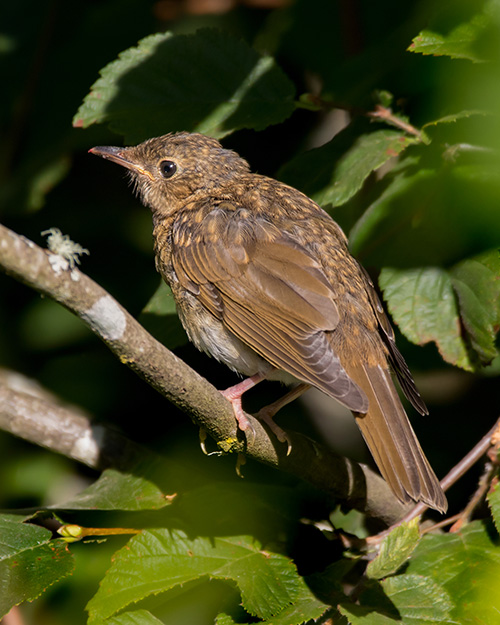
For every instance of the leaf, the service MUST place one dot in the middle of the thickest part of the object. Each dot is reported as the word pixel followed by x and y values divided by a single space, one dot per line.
pixel 395 550
pixel 423 304
pixel 467 565
pixel 351 522
pixel 118 491
pixel 458 44
pixel 207 82
pixel 494 503
pixel 160 318
pixel 406 599
pixel 455 117
pixel 477 284
pixel 333 173
pixel 160 560
pixel 137 617
pixel 30 561
pixel 306 607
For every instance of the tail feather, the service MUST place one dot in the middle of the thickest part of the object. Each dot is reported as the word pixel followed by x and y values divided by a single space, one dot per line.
pixel 392 441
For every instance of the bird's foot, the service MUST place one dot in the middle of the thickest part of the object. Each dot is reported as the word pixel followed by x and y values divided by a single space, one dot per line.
pixel 266 415
pixel 244 423
pixel 234 394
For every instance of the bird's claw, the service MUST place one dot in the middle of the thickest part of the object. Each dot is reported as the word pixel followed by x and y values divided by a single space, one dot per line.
pixel 203 437
pixel 239 463
pixel 266 417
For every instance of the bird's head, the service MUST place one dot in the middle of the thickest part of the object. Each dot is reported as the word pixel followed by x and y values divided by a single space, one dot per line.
pixel 168 171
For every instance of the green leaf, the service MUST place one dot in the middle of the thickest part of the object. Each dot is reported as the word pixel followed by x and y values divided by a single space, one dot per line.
pixel 136 617
pixel 160 318
pixel 395 550
pixel 423 304
pixel 467 564
pixel 406 599
pixel 30 561
pixel 333 173
pixel 351 522
pixel 458 44
pixel 207 82
pixel 306 607
pixel 118 491
pixel 477 284
pixel 494 503
pixel 455 117
pixel 160 560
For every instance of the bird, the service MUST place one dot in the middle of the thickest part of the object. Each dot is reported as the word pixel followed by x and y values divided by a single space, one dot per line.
pixel 264 282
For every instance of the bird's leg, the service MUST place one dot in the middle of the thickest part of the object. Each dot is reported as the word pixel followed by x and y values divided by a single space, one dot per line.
pixel 234 393
pixel 267 413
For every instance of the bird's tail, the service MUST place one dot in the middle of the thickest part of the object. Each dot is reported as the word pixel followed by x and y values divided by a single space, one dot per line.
pixel 392 441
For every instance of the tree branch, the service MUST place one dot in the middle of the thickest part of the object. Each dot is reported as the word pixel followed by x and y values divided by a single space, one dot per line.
pixel 51 275
pixel 36 415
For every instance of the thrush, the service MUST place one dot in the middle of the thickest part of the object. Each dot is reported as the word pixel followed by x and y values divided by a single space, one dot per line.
pixel 264 282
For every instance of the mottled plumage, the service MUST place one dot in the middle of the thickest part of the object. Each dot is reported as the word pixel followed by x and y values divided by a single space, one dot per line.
pixel 264 282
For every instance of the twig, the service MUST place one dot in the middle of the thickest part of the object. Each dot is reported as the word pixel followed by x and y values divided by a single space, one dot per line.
pixel 380 113
pixel 477 497
pixel 454 475
pixel 385 114
pixel 135 347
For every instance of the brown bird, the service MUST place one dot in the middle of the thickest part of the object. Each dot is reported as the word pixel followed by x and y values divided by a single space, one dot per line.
pixel 264 282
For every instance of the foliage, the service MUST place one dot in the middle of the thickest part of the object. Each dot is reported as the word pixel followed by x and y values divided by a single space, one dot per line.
pixel 387 118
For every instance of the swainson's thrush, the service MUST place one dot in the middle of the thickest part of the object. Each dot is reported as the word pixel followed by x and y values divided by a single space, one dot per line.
pixel 263 282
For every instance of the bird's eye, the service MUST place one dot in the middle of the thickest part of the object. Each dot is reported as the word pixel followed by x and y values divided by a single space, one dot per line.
pixel 167 168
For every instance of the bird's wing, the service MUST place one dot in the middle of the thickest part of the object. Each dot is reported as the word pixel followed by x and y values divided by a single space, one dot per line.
pixel 269 292
pixel 398 363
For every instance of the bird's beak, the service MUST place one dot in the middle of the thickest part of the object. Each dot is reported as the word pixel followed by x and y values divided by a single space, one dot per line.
pixel 121 157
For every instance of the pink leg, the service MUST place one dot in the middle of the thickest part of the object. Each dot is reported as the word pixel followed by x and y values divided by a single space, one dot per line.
pixel 234 393
pixel 267 413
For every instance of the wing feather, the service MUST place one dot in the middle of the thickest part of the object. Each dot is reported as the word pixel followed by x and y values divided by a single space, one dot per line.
pixel 270 293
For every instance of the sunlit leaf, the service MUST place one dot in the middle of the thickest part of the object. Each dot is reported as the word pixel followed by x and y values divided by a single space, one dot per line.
pixel 457 44
pixel 159 560
pixel 404 599
pixel 467 565
pixel 395 550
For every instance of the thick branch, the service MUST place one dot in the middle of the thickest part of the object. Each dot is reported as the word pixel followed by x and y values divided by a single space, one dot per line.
pixel 170 376
pixel 34 414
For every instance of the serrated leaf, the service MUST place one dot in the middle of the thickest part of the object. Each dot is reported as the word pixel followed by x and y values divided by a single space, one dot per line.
pixel 395 550
pixel 207 82
pixel 419 599
pixel 332 173
pixel 160 560
pixel 30 561
pixel 467 565
pixel 160 318
pixel 423 304
pixel 406 599
pixel 477 284
pixel 455 117
pixel 494 503
pixel 458 44
pixel 305 608
pixel 115 490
